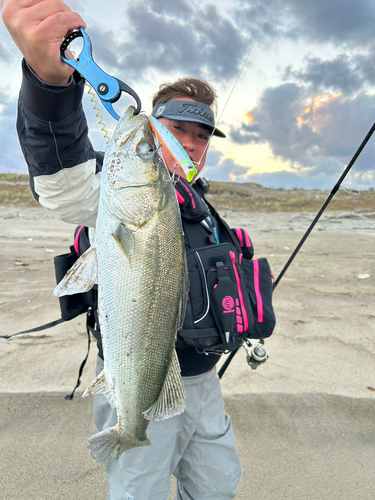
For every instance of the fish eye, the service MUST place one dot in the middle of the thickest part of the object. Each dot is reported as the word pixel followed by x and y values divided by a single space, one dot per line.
pixel 145 149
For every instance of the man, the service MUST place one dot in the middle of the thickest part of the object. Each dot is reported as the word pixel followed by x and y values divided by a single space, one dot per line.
pixel 197 446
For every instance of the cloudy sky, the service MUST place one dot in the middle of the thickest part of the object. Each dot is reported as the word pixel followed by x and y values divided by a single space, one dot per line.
pixel 294 115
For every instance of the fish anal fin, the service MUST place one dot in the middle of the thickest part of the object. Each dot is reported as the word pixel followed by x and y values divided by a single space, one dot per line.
pixel 172 397
pixel 81 277
pixel 110 444
pixel 100 386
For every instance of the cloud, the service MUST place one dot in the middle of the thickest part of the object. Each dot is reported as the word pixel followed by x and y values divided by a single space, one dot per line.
pixel 171 38
pixel 310 132
pixel 77 5
pixel 105 48
pixel 7 48
pixel 338 21
pixel 177 8
pixel 5 53
pixel 345 74
pixel 11 158
pixel 220 168
pixel 336 75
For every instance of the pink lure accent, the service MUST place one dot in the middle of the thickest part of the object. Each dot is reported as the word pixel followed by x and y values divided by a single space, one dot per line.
pixel 180 198
pixel 243 309
pixel 257 291
pixel 248 242
pixel 76 240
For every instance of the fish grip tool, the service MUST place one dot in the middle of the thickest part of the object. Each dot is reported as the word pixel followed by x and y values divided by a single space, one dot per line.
pixel 106 86
pixel 109 91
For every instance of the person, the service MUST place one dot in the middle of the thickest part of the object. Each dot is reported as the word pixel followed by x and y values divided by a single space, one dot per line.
pixel 198 446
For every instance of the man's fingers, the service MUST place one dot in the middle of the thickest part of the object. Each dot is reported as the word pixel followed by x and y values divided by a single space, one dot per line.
pixel 59 24
pixel 38 28
pixel 20 13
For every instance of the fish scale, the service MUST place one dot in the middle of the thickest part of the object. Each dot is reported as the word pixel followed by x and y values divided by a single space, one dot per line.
pixel 138 261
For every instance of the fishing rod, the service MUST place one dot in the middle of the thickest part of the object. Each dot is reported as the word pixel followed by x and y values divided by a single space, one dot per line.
pixel 325 204
pixel 311 227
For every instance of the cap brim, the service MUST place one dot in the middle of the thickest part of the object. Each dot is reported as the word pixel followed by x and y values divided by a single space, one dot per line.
pixel 180 118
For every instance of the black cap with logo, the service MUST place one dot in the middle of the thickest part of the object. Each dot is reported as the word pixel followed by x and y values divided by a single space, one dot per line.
pixel 189 111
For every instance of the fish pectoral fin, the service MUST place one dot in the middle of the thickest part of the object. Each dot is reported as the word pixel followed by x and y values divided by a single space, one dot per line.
pixel 100 386
pixel 110 444
pixel 124 238
pixel 172 398
pixel 81 277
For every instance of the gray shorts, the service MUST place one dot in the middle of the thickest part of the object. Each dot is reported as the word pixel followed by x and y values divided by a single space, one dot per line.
pixel 197 447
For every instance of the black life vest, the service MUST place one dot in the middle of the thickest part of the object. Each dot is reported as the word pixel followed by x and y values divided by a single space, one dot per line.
pixel 230 293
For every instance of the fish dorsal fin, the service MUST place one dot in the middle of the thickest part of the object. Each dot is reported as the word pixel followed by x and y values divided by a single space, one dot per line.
pixel 81 277
pixel 172 398
pixel 100 386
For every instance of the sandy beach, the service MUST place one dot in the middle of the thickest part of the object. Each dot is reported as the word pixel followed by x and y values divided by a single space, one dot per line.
pixel 304 421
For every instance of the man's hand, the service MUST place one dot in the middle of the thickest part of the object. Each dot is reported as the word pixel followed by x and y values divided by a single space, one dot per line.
pixel 38 28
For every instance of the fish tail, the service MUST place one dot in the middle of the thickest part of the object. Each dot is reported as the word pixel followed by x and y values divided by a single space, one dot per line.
pixel 110 444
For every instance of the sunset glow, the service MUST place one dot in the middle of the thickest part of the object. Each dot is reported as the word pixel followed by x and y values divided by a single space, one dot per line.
pixel 249 116
pixel 317 102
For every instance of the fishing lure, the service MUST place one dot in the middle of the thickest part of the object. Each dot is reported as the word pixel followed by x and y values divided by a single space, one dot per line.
pixel 174 147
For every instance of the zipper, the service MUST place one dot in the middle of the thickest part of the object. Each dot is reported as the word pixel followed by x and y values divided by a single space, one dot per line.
pixel 238 280
pixel 257 291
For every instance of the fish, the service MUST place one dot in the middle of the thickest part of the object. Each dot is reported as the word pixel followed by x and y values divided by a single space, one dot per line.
pixel 138 261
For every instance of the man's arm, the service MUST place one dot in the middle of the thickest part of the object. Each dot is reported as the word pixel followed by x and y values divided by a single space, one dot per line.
pixel 51 124
pixel 63 166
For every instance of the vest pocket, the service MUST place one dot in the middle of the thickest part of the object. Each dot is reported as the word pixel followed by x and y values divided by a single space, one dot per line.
pixel 198 291
pixel 258 277
pixel 219 312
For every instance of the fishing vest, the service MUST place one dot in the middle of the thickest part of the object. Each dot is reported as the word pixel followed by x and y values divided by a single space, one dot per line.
pixel 230 292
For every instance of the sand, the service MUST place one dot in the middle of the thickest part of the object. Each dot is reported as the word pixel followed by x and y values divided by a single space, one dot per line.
pixel 304 421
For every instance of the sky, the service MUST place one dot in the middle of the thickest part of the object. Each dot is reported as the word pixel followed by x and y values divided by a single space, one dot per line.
pixel 295 80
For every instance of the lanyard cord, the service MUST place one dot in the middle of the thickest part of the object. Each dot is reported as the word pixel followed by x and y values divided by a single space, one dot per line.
pixel 252 43
pixel 229 96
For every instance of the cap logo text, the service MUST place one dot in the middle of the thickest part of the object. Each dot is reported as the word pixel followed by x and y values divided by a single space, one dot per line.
pixel 197 110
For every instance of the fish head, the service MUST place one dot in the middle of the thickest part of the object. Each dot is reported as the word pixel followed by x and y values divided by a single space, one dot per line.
pixel 133 170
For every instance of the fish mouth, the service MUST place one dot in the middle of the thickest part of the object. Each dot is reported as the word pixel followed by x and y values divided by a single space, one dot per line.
pixel 127 127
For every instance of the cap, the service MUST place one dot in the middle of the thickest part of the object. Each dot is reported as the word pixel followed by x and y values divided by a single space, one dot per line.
pixel 188 111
